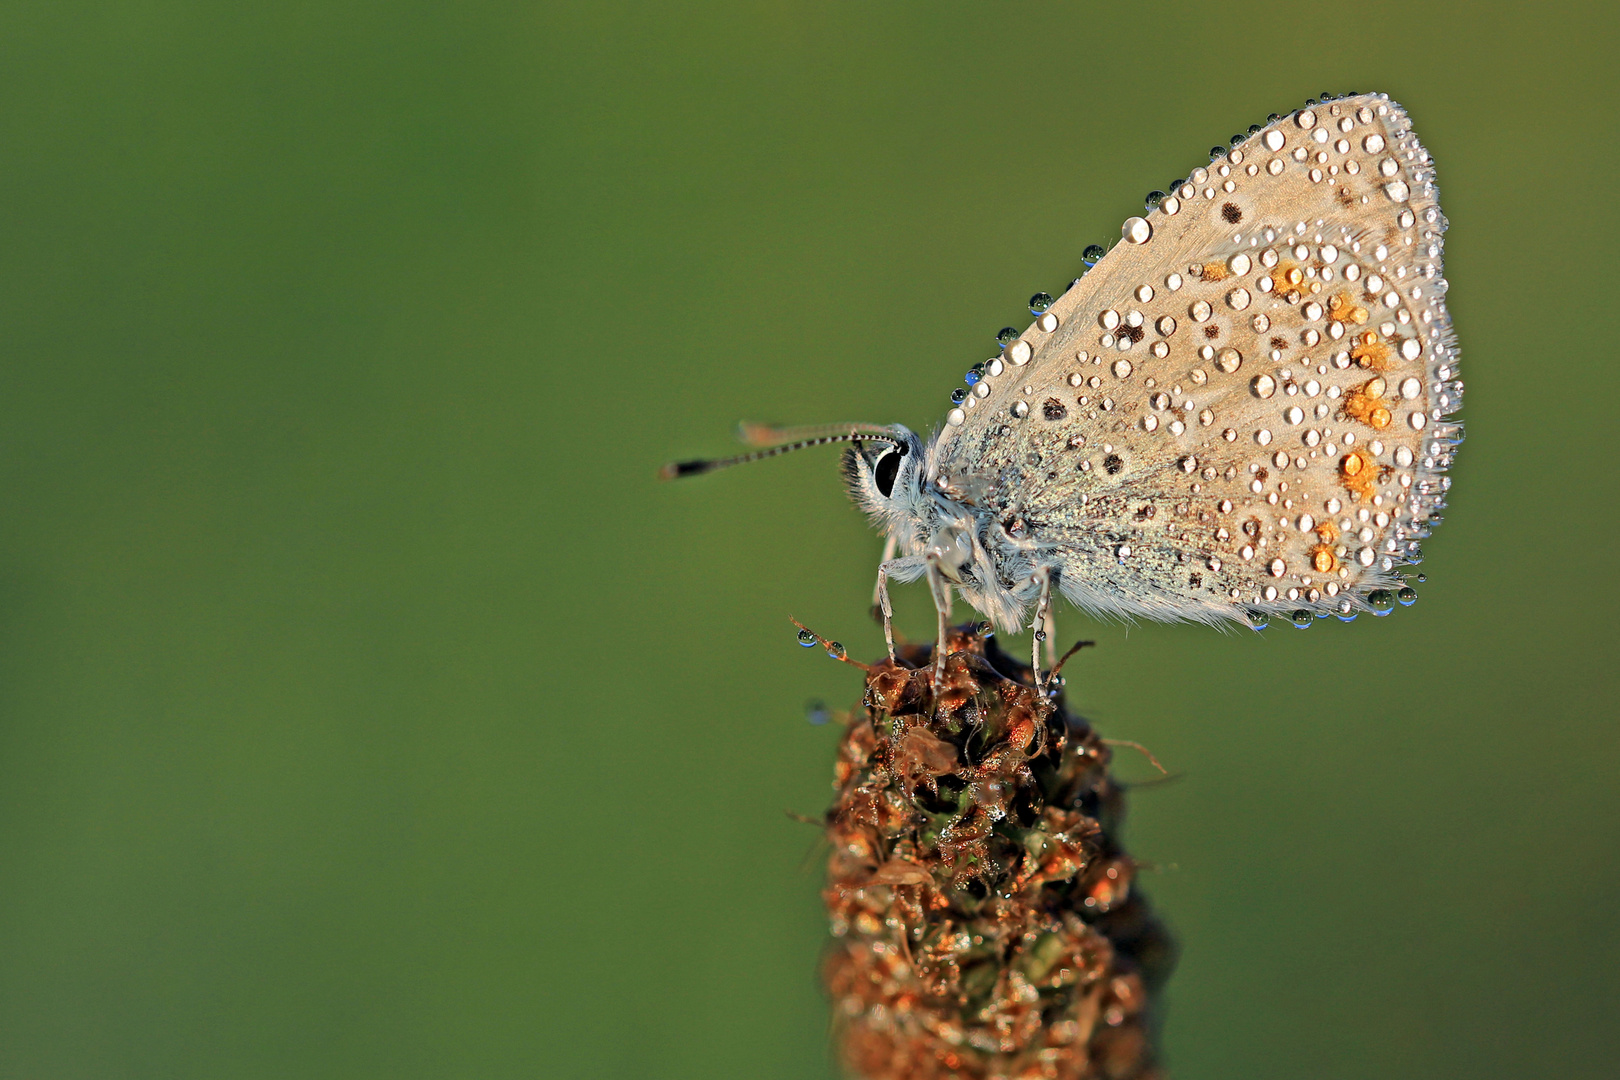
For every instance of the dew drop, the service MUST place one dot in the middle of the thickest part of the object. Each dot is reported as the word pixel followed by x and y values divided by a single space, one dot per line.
pixel 1382 601
pixel 1302 618
pixel 1039 303
pixel 835 650
pixel 1407 596
pixel 806 638
pixel 1006 335
pixel 1092 254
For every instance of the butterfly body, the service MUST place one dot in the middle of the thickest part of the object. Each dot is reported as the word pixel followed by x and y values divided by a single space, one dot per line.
pixel 1240 411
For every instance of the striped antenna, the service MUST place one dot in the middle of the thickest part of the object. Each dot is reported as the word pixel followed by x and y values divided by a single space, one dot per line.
pixel 861 433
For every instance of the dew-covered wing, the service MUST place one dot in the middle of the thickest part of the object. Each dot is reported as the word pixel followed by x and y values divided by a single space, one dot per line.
pixel 1243 406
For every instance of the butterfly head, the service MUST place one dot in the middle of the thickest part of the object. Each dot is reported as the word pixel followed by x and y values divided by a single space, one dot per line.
pixel 886 476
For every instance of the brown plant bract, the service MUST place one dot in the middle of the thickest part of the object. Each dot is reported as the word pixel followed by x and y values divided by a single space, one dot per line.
pixel 983 918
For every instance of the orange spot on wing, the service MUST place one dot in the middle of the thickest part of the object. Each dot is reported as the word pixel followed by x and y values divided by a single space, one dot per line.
pixel 1357 472
pixel 1323 560
pixel 1343 309
pixel 1365 403
pixel 1288 282
pixel 1369 352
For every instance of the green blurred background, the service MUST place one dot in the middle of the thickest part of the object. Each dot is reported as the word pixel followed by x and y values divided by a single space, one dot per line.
pixel 368 710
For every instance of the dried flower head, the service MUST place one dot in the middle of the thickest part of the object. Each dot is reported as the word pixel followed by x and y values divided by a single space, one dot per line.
pixel 982 909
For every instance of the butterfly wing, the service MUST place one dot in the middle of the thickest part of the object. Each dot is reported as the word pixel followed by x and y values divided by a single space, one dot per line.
pixel 1241 409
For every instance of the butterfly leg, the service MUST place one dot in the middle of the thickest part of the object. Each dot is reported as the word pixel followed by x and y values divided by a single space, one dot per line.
pixel 1051 637
pixel 941 589
pixel 1042 625
pixel 880 608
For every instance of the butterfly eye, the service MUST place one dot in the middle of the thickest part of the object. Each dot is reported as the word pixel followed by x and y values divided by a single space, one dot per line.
pixel 886 471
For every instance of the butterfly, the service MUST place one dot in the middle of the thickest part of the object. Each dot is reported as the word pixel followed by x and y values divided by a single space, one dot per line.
pixel 1241 411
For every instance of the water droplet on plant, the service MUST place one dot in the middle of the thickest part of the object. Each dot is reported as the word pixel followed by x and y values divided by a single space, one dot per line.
pixel 1407 596
pixel 1154 198
pixel 1039 303
pixel 1005 335
pixel 835 650
pixel 1092 253
pixel 1302 618
pixel 807 638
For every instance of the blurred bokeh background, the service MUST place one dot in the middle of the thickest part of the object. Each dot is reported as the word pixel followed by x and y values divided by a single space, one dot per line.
pixel 368 710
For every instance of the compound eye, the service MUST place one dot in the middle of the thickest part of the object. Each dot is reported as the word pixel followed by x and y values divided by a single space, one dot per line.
pixel 886 471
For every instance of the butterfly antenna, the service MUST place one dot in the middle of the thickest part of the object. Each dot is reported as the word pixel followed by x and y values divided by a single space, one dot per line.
pixel 772 434
pixel 677 469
